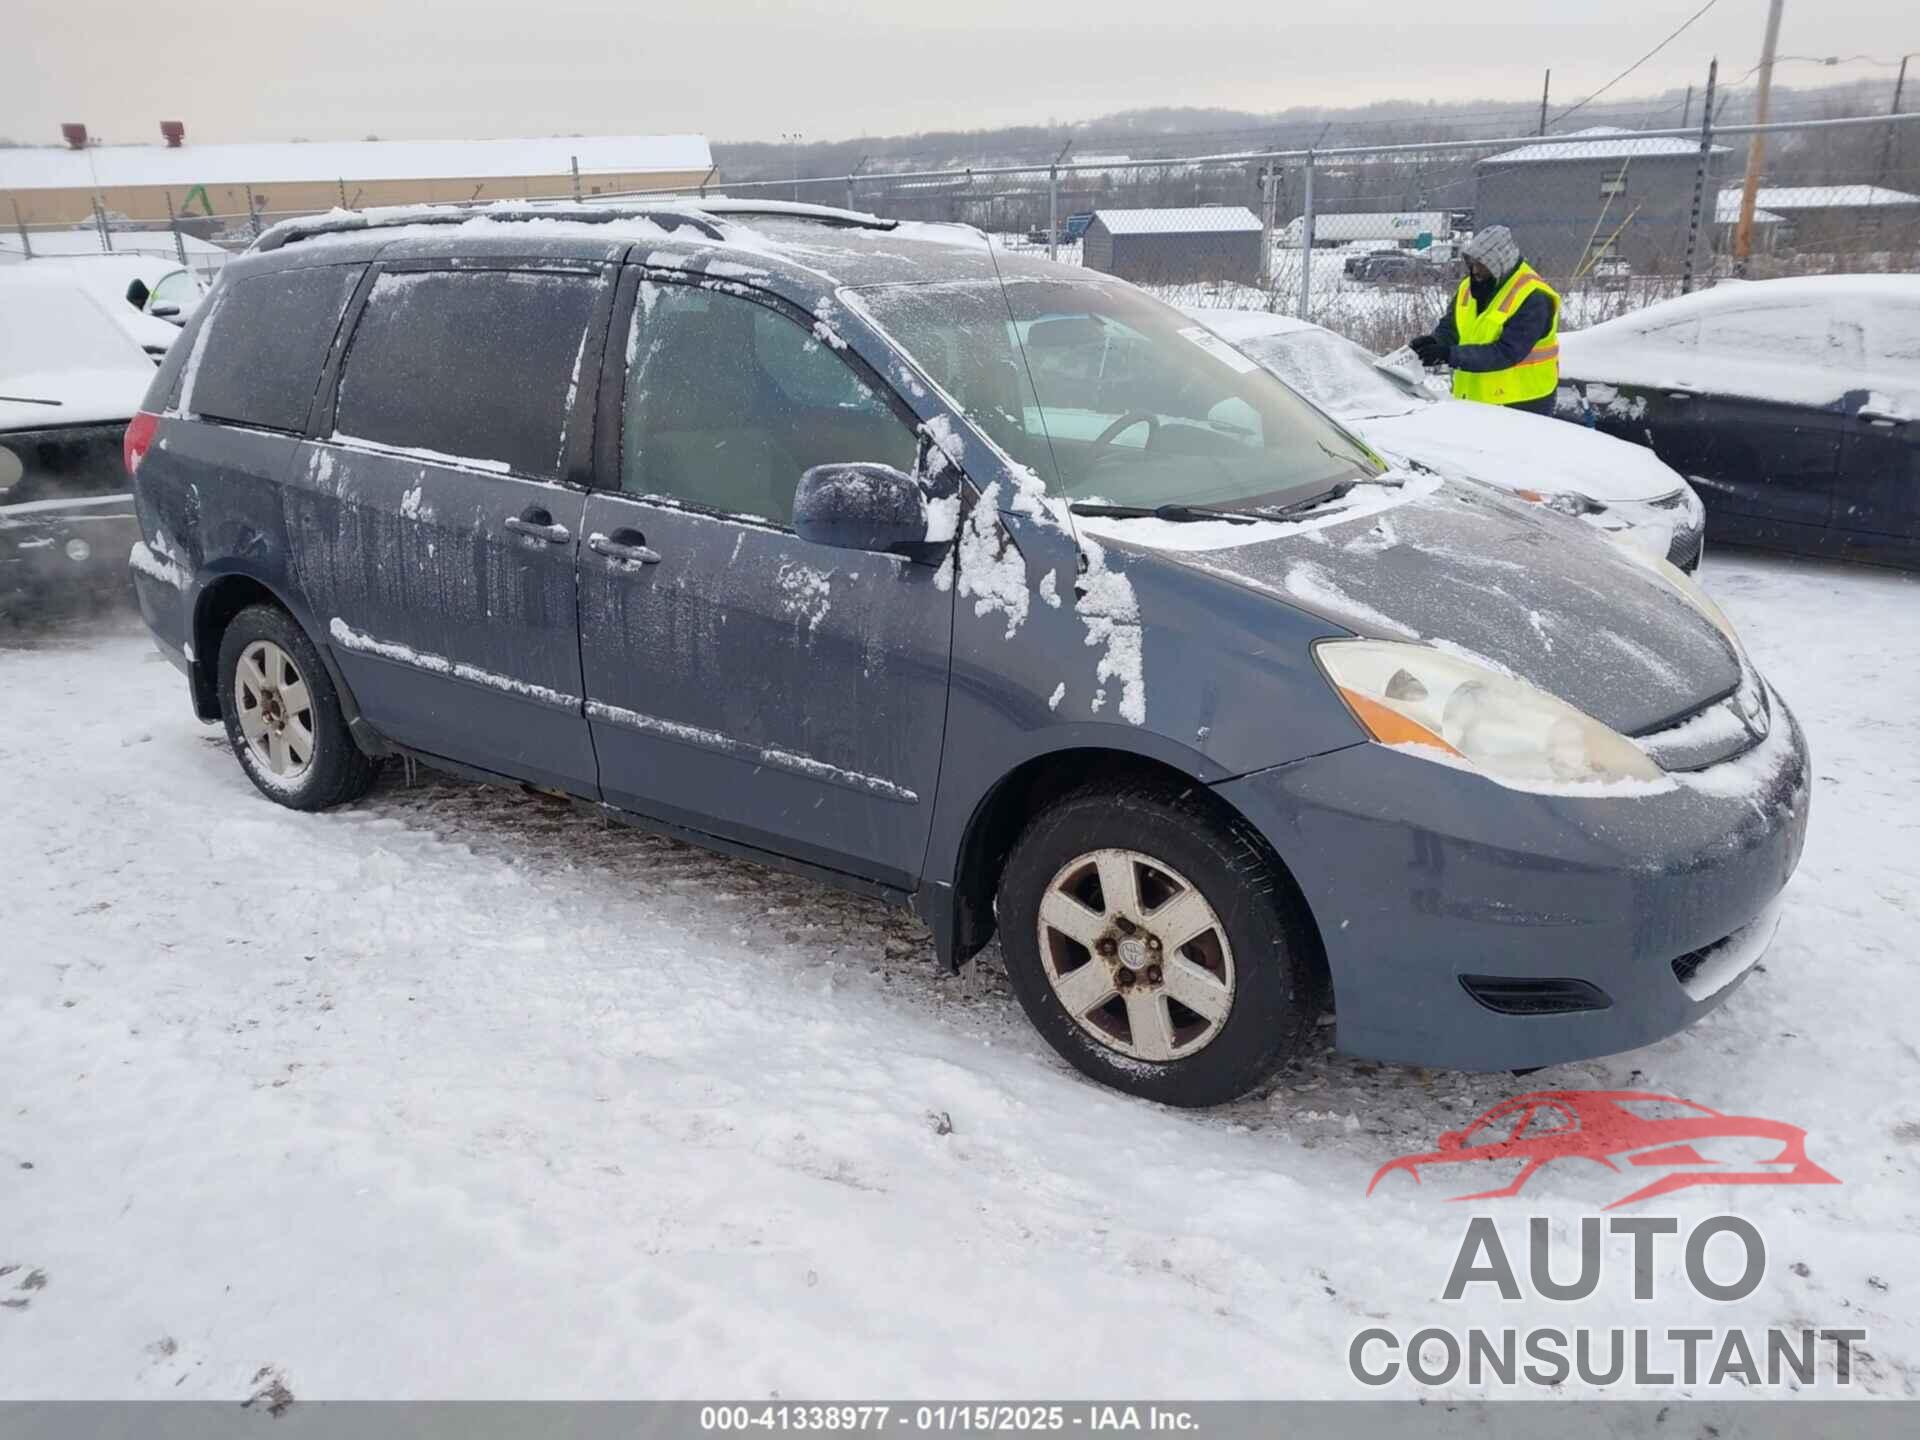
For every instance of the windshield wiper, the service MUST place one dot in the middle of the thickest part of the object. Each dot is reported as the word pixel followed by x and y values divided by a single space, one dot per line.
pixel 1180 514
pixel 30 400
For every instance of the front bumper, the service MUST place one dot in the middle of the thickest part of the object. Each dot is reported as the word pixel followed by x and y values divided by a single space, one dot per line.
pixel 54 558
pixel 1427 880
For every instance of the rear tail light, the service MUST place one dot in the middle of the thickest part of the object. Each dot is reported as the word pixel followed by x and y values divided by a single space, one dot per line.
pixel 140 432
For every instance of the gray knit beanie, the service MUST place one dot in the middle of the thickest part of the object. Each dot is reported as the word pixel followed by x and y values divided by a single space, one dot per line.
pixel 1494 248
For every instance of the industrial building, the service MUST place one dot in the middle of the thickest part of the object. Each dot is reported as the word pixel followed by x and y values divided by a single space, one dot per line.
pixel 1604 194
pixel 1170 247
pixel 49 185
pixel 1828 217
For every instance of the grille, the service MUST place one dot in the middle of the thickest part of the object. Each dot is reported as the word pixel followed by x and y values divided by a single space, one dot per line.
pixel 1512 995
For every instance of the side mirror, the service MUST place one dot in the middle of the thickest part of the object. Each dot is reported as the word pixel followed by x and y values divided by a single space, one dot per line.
pixel 137 293
pixel 861 506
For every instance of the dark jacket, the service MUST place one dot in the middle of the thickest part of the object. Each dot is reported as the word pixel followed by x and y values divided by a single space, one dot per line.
pixel 1525 328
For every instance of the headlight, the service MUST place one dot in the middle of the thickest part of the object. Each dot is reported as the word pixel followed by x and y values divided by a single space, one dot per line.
pixel 1567 502
pixel 1688 587
pixel 1457 711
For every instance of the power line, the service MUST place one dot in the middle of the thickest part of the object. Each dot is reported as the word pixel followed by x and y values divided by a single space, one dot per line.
pixel 1684 25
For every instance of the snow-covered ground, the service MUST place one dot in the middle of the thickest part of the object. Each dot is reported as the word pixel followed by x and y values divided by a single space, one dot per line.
pixel 454 1093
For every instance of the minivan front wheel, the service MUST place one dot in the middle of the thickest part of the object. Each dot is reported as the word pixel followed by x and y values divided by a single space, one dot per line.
pixel 283 716
pixel 1155 945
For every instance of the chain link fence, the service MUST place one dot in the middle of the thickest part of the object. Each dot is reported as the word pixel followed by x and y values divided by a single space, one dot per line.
pixel 1364 239
pixel 1361 239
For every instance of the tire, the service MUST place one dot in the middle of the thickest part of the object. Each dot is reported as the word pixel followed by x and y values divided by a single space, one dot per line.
pixel 1254 948
pixel 267 667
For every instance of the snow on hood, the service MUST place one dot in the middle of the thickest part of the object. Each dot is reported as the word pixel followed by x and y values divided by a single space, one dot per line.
pixel 1495 580
pixel 1517 451
pixel 59 343
pixel 87 397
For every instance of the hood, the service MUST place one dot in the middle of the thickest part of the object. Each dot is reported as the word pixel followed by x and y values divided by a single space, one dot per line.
pixel 1516 451
pixel 86 397
pixel 1491 579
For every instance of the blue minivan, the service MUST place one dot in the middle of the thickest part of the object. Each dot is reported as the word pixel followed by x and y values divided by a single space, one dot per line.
pixel 981 584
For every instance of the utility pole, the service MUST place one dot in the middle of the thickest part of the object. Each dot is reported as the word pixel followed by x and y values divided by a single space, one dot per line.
pixel 1545 86
pixel 1686 110
pixel 1757 148
pixel 1700 198
pixel 1886 146
pixel 792 137
pixel 1053 202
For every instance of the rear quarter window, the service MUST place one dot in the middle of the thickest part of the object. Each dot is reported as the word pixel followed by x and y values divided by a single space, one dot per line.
pixel 264 341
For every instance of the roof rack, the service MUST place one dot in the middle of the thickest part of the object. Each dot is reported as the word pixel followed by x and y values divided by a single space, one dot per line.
pixel 340 222
pixel 726 205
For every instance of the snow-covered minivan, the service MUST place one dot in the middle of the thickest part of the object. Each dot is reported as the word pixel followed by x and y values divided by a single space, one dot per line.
pixel 847 546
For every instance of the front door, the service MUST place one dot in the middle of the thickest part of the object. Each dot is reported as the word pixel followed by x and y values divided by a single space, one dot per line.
pixel 739 680
pixel 1760 439
pixel 435 536
pixel 1877 513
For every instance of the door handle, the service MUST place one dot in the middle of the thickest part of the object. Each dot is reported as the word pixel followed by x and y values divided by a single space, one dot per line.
pixel 539 524
pixel 1881 417
pixel 1681 394
pixel 629 546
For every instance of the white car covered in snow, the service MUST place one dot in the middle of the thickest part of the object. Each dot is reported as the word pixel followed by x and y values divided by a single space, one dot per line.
pixel 1610 484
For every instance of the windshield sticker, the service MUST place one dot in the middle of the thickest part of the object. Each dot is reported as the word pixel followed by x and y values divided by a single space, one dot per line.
pixel 1219 349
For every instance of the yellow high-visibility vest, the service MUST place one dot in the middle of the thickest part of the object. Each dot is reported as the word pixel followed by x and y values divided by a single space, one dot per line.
pixel 1537 374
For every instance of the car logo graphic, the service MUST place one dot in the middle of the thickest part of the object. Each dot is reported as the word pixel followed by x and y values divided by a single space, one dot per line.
pixel 1634 1129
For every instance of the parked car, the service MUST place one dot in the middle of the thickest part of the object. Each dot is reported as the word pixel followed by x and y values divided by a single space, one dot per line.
pixel 1793 406
pixel 71 377
pixel 1613 486
pixel 752 528
pixel 1396 267
pixel 124 286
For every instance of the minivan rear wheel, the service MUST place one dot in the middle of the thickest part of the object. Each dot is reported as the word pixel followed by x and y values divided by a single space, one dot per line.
pixel 283 715
pixel 1156 945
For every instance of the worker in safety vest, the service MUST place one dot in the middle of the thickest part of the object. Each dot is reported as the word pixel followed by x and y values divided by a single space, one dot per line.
pixel 1501 335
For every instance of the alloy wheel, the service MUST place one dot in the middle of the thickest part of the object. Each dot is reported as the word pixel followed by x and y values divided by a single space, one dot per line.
pixel 1136 954
pixel 275 710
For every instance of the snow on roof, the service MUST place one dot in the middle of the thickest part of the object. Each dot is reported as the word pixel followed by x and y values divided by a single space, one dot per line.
pixel 1601 142
pixel 1196 219
pixel 85 241
pixel 1818 197
pixel 1726 210
pixel 102 166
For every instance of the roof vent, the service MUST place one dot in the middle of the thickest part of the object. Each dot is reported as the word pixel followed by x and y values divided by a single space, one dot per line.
pixel 174 133
pixel 75 136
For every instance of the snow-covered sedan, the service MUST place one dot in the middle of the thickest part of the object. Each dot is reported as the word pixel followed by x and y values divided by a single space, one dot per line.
pixel 71 376
pixel 1612 486
pixel 1794 406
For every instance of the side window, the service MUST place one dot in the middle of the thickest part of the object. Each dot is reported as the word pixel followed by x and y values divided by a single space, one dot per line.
pixel 1800 330
pixel 729 400
pixel 178 289
pixel 261 353
pixel 476 364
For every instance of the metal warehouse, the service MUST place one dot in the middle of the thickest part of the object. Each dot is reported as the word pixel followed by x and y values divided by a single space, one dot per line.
pixel 1164 247
pixel 1608 195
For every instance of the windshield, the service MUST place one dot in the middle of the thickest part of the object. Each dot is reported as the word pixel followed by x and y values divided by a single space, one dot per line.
pixel 1105 392
pixel 1336 374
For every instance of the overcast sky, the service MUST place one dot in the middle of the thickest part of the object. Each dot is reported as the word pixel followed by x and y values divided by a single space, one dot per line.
pixel 748 69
